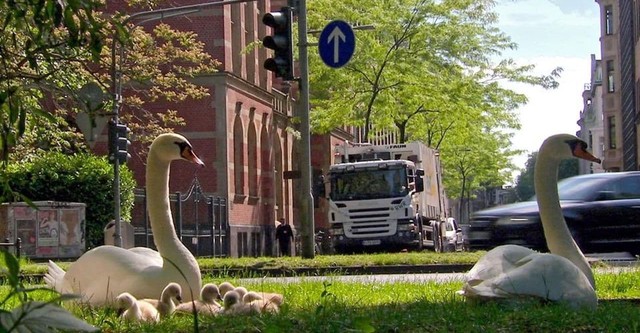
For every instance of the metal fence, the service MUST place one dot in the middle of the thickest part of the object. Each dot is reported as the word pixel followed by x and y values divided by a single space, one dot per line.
pixel 200 220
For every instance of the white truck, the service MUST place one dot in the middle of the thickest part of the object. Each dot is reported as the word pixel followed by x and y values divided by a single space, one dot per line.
pixel 386 196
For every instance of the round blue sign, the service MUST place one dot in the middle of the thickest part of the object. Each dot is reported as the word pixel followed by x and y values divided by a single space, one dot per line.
pixel 337 43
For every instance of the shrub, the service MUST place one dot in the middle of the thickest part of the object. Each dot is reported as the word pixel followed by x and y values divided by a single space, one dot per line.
pixel 75 178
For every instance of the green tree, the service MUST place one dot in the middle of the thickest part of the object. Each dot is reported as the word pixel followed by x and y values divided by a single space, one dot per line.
pixel 42 42
pixel 432 71
pixel 53 48
pixel 65 53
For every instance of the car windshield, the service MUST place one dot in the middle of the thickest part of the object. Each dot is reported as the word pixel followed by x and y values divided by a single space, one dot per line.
pixel 578 188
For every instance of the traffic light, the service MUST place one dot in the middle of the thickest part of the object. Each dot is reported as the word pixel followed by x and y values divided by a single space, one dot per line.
pixel 281 43
pixel 118 142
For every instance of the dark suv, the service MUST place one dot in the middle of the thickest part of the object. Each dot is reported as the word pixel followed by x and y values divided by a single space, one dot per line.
pixel 602 212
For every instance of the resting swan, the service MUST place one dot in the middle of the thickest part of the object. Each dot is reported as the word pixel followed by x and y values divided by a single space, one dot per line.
pixel 276 298
pixel 254 299
pixel 233 304
pixel 514 272
pixel 131 309
pixel 207 304
pixel 106 271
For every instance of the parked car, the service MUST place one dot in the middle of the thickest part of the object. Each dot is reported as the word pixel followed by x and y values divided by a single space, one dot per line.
pixel 453 239
pixel 602 212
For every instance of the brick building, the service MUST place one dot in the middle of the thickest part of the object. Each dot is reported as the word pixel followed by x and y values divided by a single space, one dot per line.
pixel 240 130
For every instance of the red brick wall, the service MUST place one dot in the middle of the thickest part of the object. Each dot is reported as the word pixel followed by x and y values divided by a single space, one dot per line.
pixel 210 121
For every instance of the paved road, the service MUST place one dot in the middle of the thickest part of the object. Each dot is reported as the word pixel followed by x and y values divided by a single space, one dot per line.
pixel 617 262
pixel 378 278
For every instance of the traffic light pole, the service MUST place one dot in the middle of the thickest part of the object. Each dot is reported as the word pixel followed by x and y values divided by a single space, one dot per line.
pixel 307 218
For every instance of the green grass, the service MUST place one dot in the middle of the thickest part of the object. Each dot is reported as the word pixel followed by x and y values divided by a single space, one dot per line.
pixel 336 306
pixel 321 261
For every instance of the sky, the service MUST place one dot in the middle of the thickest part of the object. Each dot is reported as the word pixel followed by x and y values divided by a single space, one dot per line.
pixel 550 34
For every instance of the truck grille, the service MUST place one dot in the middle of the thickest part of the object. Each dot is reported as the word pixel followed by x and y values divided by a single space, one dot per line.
pixel 370 222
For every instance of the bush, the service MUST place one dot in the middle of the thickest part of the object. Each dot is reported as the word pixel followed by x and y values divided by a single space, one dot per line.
pixel 75 178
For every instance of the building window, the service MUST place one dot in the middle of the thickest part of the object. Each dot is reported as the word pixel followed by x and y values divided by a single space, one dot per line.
pixel 611 124
pixel 238 153
pixel 610 79
pixel 256 244
pixel 608 20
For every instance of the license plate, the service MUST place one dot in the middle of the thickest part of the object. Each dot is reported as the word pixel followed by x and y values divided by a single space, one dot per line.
pixel 371 242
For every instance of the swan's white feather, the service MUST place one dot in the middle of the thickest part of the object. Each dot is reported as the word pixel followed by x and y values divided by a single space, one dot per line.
pixel 104 272
pixel 136 310
pixel 516 272
pixel 512 271
pixel 206 305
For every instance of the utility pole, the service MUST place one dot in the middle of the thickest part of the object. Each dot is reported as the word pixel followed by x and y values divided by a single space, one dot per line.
pixel 281 64
pixel 307 221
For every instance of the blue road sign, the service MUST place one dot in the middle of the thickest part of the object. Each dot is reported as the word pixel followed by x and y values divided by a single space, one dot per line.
pixel 337 43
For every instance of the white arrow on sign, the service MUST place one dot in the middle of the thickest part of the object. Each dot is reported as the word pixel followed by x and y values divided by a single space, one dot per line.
pixel 336 35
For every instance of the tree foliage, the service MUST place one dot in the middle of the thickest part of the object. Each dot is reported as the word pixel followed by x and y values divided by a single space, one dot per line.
pixel 51 49
pixel 42 43
pixel 432 71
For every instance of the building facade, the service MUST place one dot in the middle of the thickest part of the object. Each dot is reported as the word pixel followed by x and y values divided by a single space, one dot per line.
pixel 591 118
pixel 242 129
pixel 611 97
pixel 620 33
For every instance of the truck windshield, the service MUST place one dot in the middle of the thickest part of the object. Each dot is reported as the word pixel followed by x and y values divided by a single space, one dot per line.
pixel 369 184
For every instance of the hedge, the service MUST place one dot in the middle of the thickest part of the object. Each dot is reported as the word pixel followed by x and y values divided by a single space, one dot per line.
pixel 75 178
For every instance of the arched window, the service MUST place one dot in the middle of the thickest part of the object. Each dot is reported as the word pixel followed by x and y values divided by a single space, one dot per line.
pixel 278 179
pixel 238 153
pixel 252 155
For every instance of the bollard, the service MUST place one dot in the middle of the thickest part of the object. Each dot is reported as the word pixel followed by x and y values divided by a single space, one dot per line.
pixel 18 245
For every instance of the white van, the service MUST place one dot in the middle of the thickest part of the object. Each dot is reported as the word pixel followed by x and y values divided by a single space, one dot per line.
pixel 453 239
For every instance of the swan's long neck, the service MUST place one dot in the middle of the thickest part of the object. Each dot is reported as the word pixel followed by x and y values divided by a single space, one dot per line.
pixel 556 232
pixel 164 234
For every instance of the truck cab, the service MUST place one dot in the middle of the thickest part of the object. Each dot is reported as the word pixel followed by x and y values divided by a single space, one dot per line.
pixel 377 198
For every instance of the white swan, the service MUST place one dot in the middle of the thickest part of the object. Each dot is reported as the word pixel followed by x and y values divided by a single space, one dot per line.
pixel 514 272
pixel 207 304
pixel 131 309
pixel 106 271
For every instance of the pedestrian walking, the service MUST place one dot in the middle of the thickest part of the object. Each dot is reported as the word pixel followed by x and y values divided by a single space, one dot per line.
pixel 284 235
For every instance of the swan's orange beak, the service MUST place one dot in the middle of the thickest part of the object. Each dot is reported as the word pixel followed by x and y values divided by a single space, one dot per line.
pixel 582 153
pixel 190 156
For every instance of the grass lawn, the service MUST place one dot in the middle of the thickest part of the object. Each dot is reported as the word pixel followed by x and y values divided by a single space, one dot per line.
pixel 404 306
pixel 410 258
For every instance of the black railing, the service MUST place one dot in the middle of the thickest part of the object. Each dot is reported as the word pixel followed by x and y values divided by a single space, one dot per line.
pixel 200 220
